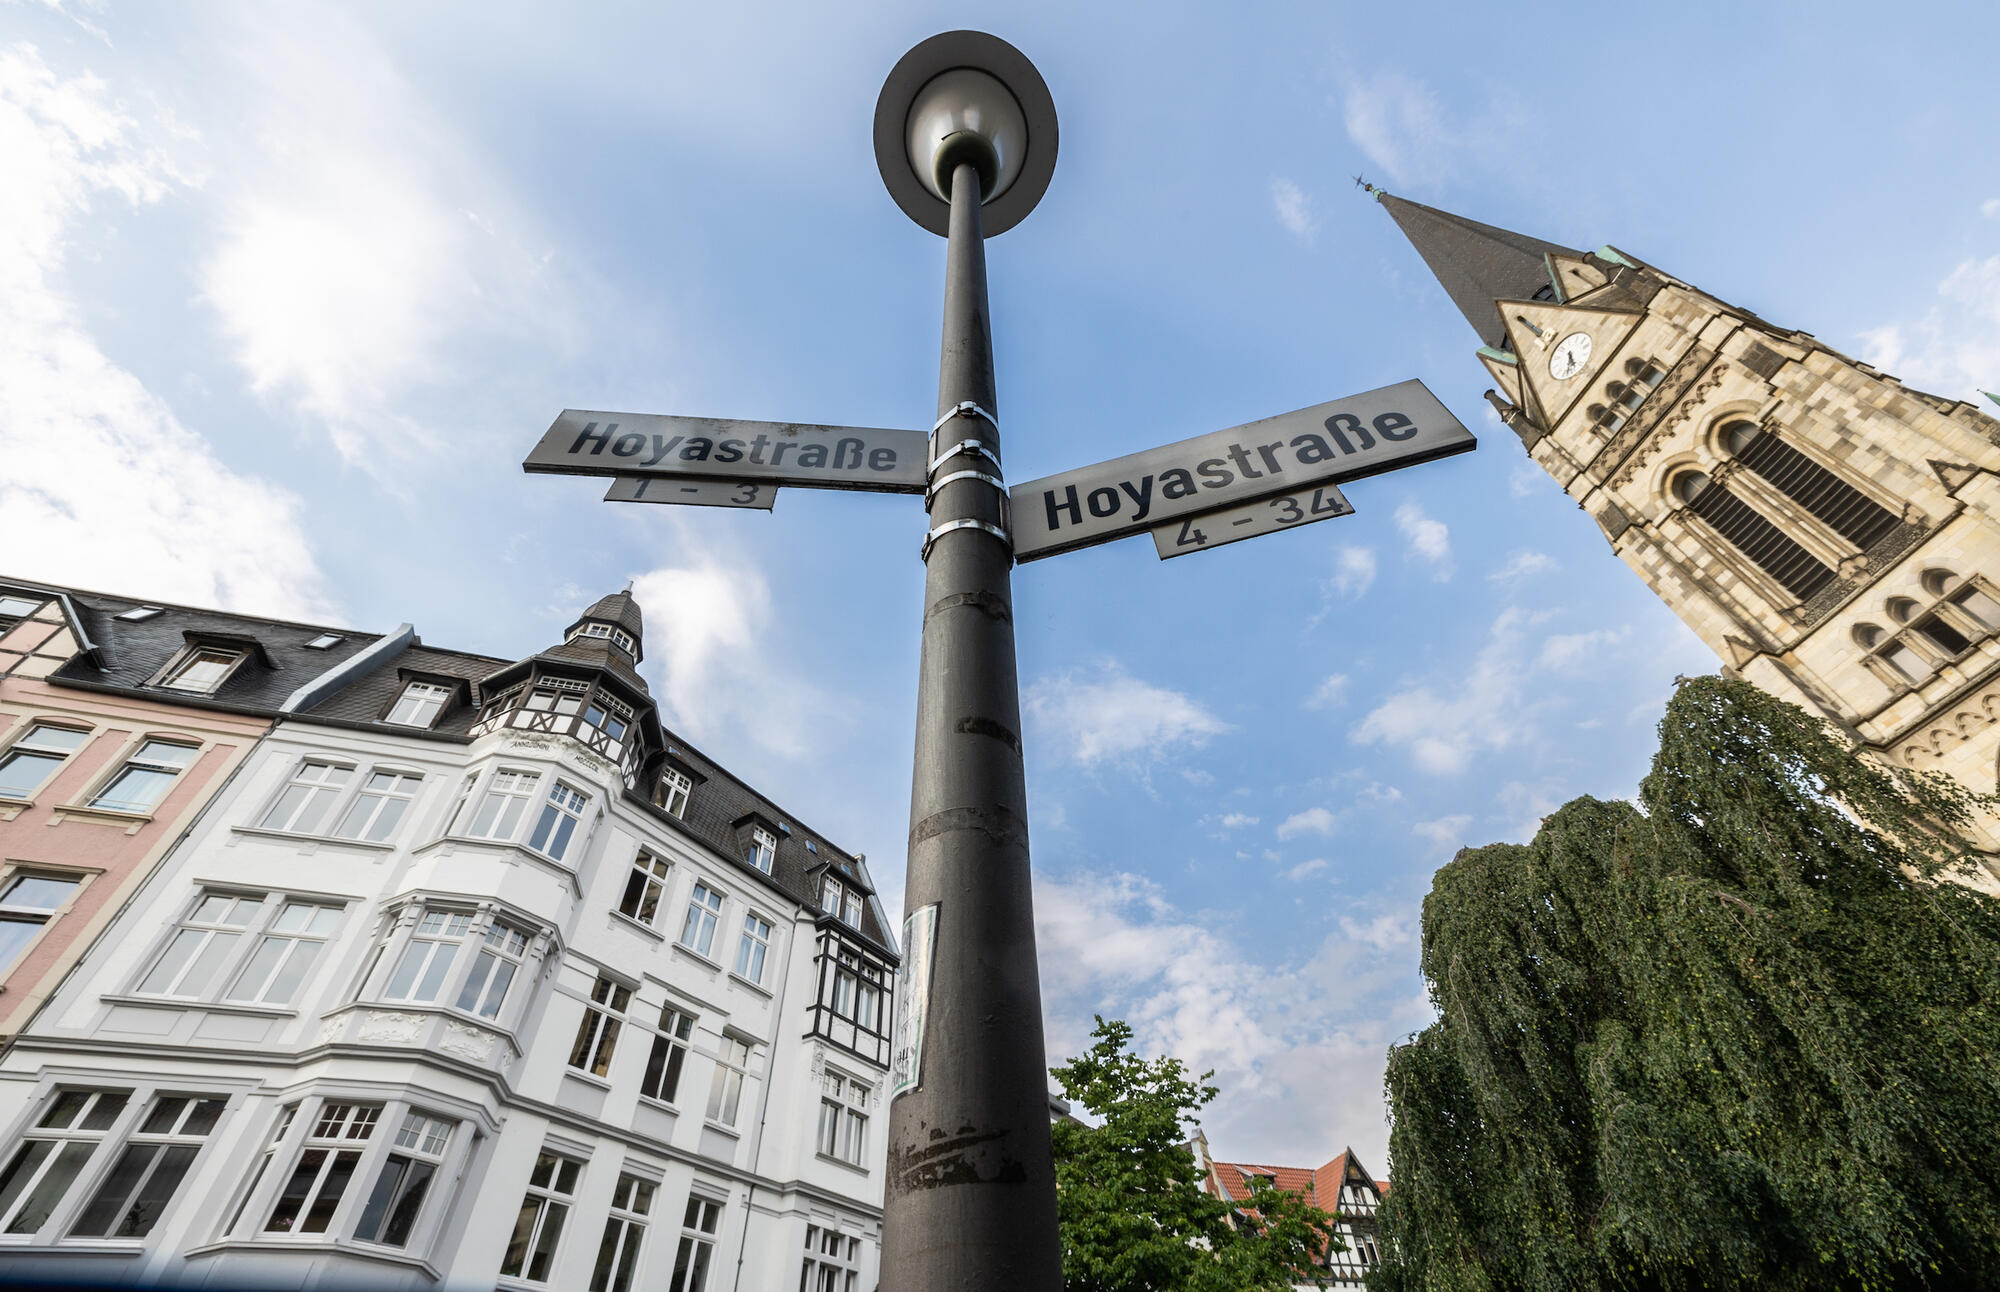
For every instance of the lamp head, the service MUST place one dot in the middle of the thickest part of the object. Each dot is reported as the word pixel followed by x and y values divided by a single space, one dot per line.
pixel 965 97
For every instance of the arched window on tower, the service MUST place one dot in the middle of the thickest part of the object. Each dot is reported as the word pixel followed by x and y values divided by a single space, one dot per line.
pixel 1799 571
pixel 1644 373
pixel 1843 508
pixel 1896 660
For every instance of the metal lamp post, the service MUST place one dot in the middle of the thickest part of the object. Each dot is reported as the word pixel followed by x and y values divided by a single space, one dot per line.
pixel 965 135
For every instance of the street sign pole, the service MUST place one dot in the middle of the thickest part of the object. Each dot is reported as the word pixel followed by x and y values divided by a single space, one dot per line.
pixel 971 1184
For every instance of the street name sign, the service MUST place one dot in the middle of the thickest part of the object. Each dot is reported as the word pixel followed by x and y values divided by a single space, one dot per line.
pixel 780 453
pixel 692 492
pixel 1331 443
pixel 1214 529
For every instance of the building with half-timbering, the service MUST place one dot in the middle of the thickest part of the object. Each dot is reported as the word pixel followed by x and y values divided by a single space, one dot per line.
pixel 469 973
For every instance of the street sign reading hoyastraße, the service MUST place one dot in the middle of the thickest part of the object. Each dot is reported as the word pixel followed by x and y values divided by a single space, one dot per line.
pixel 1330 443
pixel 779 453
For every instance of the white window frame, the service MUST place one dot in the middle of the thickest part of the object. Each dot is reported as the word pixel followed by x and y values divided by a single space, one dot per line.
pixel 550 1192
pixel 624 1241
pixel 228 926
pixel 340 1127
pixel 763 849
pixel 166 1142
pixel 597 1031
pixel 14 911
pixel 692 1261
pixel 297 931
pixel 438 928
pixel 419 704
pixel 417 1156
pixel 753 948
pixel 667 1061
pixel 843 1123
pixel 703 915
pixel 146 757
pixel 561 821
pixel 90 1117
pixel 675 789
pixel 645 888
pixel 509 791
pixel 496 967
pixel 833 1261
pixel 176 676
pixel 733 1057
pixel 374 811
pixel 33 745
pixel 320 783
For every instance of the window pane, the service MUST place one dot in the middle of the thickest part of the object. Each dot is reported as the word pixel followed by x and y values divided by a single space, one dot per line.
pixel 22 771
pixel 286 985
pixel 545 1248
pixel 49 1190
pixel 259 970
pixel 15 934
pixel 220 947
pixel 136 789
pixel 27 1159
pixel 330 1190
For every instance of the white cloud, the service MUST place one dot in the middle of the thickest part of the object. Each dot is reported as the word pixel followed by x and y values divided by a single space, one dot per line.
pixel 1522 564
pixel 1566 649
pixel 102 484
pixel 708 637
pixel 1237 820
pixel 1353 571
pixel 1990 208
pixel 1306 869
pixel 1294 209
pixel 1527 479
pixel 1112 716
pixel 1330 694
pixel 1427 536
pixel 1954 349
pixel 1445 833
pixel 1524 805
pixel 1399 124
pixel 1279 1036
pixel 363 251
pixel 1489 709
pixel 1384 932
pixel 1314 820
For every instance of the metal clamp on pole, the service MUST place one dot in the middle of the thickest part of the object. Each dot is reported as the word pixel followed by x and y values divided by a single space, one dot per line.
pixel 931 493
pixel 976 448
pixel 966 408
pixel 931 538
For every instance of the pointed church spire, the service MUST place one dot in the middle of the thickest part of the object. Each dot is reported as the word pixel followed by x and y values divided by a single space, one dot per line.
pixel 1476 263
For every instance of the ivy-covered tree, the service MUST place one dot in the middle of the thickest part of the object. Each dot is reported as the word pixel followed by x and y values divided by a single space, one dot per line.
pixel 1731 1038
pixel 1129 1200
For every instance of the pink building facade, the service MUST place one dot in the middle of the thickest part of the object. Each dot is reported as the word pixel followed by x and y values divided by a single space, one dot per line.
pixel 119 722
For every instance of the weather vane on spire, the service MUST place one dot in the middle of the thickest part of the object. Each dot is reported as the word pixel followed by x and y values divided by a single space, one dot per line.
pixel 1361 182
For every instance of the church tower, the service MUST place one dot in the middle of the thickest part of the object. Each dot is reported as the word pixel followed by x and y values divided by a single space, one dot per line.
pixel 1833 535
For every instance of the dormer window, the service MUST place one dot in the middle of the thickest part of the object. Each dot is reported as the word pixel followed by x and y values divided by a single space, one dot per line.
pixel 609 632
pixel 840 901
pixel 419 704
pixel 672 791
pixel 202 670
pixel 763 849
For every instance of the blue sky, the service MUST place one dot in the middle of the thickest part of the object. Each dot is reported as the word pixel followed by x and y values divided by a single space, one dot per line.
pixel 287 294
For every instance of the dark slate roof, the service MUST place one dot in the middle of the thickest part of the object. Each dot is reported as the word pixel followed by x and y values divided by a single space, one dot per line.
pixel 1476 263
pixel 367 698
pixel 618 608
pixel 128 655
pixel 720 800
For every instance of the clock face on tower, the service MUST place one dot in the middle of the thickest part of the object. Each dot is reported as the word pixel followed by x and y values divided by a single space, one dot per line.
pixel 1570 354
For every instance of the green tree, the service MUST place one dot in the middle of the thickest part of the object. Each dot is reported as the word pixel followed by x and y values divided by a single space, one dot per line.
pixel 1132 1212
pixel 1731 1038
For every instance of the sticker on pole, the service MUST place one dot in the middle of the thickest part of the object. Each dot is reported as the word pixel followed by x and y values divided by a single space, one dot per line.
pixel 906 1041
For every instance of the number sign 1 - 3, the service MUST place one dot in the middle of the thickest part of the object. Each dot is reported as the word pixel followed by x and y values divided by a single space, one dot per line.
pixel 757 494
pixel 1234 524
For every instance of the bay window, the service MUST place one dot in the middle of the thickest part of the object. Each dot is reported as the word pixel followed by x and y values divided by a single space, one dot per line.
pixel 558 822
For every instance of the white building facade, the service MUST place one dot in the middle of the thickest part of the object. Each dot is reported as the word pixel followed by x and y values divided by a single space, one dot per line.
pixel 473 976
